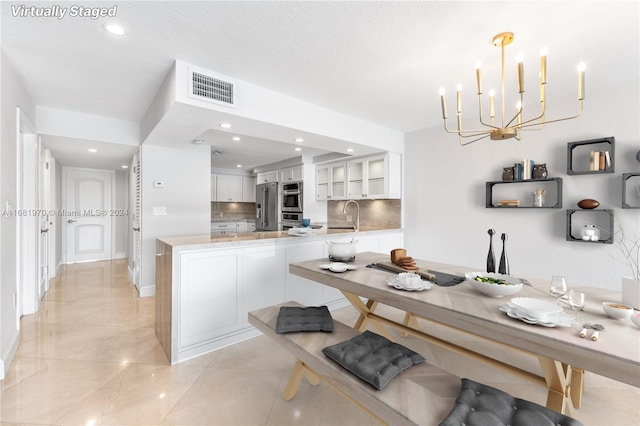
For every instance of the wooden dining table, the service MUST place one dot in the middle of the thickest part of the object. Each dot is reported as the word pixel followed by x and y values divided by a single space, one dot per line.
pixel 563 355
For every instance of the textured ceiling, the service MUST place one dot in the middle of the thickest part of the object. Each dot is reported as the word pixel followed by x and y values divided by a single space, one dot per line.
pixel 379 61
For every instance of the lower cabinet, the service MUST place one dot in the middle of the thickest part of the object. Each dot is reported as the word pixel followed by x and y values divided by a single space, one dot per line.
pixel 216 288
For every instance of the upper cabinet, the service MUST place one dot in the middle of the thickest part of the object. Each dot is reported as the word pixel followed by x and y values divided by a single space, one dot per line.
pixel 376 176
pixel 331 181
pixel 233 188
pixel 292 174
pixel 266 177
pixel 229 188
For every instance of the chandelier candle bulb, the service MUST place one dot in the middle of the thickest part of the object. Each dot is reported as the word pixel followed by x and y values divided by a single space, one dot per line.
pixel 543 65
pixel 459 97
pixel 492 106
pixel 479 77
pixel 520 60
pixel 581 67
pixel 444 104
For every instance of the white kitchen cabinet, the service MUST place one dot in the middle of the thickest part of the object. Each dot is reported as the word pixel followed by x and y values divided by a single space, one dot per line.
pixel 377 176
pixel 266 177
pixel 292 174
pixel 248 189
pixel 300 289
pixel 241 227
pixel 331 181
pixel 222 228
pixel 208 301
pixel 229 188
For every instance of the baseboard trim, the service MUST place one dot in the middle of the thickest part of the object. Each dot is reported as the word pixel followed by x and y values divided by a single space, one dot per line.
pixel 147 291
pixel 121 255
pixel 8 354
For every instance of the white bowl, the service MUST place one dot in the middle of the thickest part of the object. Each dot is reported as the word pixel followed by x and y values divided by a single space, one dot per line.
pixel 536 308
pixel 635 318
pixel 513 285
pixel 617 310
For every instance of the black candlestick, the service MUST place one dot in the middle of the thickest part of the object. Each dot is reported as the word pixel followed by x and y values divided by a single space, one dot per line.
pixel 491 260
pixel 504 262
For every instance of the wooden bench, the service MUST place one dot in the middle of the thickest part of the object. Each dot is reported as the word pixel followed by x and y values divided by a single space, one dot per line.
pixel 422 394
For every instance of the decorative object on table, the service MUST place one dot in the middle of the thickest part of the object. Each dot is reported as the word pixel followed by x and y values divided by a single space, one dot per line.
pixel 305 222
pixel 617 310
pixel 491 260
pixel 508 127
pixel 373 358
pixel 494 285
pixel 540 171
pixel 507 173
pixel 596 327
pixel 342 251
pixel 558 287
pixel 538 197
pixel 590 233
pixel 292 319
pixel 628 248
pixel 409 281
pixel 576 302
pixel 588 203
pixel 400 258
pixel 503 268
pixel 635 318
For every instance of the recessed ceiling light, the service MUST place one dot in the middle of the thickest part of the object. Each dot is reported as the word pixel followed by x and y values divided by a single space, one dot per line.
pixel 298 140
pixel 349 149
pixel 114 29
pixel 238 165
pixel 236 138
pixel 298 148
pixel 92 150
pixel 197 142
pixel 124 167
pixel 225 125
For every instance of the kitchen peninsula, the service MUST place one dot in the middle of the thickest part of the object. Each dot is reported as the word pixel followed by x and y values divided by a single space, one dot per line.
pixel 206 285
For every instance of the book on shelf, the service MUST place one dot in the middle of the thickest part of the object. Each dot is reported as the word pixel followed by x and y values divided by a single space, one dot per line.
pixel 601 161
pixel 607 159
pixel 508 203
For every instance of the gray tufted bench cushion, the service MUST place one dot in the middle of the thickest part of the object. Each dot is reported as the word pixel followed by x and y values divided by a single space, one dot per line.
pixel 292 319
pixel 373 358
pixel 482 405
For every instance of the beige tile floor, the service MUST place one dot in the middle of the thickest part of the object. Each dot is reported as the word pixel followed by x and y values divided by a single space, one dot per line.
pixel 90 357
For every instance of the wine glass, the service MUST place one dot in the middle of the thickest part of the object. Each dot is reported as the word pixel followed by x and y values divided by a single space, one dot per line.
pixel 576 301
pixel 558 287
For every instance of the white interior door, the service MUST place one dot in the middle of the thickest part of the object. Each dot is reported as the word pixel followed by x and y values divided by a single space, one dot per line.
pixel 43 217
pixel 88 219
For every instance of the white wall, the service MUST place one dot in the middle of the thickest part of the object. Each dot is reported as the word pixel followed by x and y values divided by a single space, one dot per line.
pixel 186 195
pixel 445 193
pixel 13 95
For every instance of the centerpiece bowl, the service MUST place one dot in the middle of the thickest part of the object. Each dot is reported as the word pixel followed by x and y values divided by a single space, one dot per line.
pixel 494 285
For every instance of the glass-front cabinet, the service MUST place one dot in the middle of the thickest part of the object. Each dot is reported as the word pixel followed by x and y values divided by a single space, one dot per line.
pixel 370 177
pixel 331 181
pixel 367 178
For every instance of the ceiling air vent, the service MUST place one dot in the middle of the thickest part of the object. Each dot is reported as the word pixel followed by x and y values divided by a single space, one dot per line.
pixel 208 88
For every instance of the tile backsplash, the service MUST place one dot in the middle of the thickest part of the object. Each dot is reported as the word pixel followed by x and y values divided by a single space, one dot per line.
pixel 232 211
pixel 378 213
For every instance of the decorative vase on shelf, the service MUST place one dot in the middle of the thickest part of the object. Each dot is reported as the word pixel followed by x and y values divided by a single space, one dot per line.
pixel 507 173
pixel 504 262
pixel 491 260
pixel 630 292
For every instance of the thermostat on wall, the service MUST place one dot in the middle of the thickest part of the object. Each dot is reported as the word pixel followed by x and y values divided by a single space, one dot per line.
pixel 158 184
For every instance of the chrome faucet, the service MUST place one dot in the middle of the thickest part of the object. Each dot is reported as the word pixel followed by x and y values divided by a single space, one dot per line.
pixel 344 210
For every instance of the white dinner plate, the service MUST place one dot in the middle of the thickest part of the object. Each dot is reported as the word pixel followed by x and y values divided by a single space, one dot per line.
pixel 424 285
pixel 561 319
pixel 337 267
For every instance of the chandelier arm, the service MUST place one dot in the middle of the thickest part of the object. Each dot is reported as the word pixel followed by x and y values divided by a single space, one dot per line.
pixel 469 133
pixel 480 111
pixel 557 119
pixel 470 142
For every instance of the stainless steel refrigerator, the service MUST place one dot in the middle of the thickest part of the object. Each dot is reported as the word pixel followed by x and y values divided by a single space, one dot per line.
pixel 267 211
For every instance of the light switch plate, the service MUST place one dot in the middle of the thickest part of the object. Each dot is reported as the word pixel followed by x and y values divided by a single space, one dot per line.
pixel 159 211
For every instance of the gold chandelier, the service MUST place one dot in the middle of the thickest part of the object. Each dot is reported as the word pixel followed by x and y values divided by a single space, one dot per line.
pixel 513 127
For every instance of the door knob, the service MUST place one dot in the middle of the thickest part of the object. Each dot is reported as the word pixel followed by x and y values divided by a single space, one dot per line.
pixel 71 221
